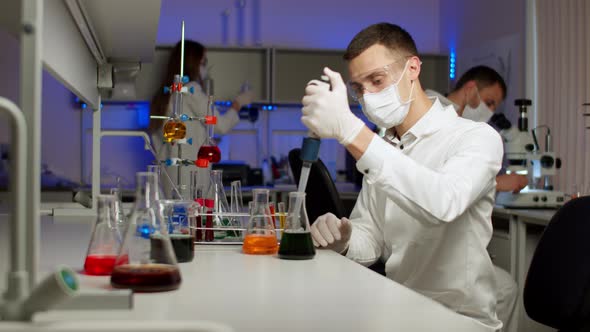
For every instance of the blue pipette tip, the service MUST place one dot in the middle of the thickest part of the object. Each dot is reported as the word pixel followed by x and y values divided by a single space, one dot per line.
pixel 185 79
pixel 166 89
pixel 169 162
pixel 183 117
pixel 310 149
pixel 190 141
pixel 191 89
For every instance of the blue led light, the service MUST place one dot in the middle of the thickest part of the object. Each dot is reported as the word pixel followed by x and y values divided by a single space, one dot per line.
pixel 452 61
pixel 144 231
pixel 84 106
pixel 264 108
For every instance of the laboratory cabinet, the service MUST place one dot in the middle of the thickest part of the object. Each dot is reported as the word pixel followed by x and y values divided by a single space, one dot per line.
pixel 516 235
pixel 276 75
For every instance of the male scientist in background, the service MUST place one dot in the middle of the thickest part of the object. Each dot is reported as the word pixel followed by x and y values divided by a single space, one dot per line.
pixel 477 95
pixel 429 185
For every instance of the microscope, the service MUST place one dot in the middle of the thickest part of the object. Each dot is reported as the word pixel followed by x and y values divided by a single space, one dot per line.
pixel 525 156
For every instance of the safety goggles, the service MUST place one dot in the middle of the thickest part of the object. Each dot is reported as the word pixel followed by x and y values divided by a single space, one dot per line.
pixel 375 80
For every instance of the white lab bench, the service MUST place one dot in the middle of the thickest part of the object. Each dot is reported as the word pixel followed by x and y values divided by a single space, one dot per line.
pixel 520 246
pixel 258 293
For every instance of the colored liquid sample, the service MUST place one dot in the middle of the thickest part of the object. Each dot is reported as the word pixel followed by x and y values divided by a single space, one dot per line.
pixel 271 207
pixel 208 225
pixel 184 247
pixel 199 230
pixel 282 220
pixel 255 244
pixel 146 278
pixel 296 245
pixel 210 153
pixel 174 130
pixel 99 265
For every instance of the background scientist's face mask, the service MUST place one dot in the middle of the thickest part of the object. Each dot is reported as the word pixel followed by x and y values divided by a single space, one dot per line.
pixel 380 99
pixel 482 113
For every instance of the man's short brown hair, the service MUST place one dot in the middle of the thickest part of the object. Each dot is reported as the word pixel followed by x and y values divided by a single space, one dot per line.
pixel 389 35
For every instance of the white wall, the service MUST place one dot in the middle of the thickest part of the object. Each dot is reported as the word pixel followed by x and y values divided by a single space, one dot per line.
pixel 490 33
pixel 298 23
pixel 61 121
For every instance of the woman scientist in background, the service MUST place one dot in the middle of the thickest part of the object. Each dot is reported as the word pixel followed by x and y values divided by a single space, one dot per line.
pixel 194 105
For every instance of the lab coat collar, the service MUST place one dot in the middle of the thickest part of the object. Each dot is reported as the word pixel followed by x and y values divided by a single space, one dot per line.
pixel 436 118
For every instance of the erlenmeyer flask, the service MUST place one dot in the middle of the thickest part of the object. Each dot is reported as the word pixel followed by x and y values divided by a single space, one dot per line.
pixel 105 241
pixel 260 238
pixel 146 261
pixel 296 241
pixel 176 216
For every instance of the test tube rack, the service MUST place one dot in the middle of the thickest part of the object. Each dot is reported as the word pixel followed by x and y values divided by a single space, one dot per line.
pixel 238 231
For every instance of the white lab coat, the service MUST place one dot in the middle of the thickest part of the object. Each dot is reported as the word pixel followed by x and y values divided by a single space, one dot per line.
pixel 425 209
pixel 193 105
pixel 506 288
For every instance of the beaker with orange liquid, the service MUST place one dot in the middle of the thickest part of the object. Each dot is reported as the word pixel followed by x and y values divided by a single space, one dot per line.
pixel 260 238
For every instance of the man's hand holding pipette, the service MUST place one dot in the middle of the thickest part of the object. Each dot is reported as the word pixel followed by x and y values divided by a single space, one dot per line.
pixel 331 233
pixel 326 112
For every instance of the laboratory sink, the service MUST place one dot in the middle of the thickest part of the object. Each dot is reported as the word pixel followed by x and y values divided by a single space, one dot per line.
pixel 116 326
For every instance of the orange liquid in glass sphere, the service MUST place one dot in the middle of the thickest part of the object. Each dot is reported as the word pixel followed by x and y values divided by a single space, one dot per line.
pixel 174 130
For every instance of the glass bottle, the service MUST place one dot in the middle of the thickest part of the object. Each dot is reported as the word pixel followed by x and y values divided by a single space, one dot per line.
pixel 296 242
pixel 105 241
pixel 175 214
pixel 146 261
pixel 260 238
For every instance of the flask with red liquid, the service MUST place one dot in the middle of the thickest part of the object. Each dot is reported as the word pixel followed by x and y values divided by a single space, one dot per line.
pixel 146 261
pixel 106 238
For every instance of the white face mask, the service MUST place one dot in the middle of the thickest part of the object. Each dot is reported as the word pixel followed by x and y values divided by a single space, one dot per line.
pixel 482 113
pixel 385 108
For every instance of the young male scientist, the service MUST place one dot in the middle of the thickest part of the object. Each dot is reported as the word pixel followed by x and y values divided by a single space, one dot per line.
pixel 429 184
pixel 477 95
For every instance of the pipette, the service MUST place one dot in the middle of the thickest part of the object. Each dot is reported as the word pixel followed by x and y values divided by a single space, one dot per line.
pixel 309 152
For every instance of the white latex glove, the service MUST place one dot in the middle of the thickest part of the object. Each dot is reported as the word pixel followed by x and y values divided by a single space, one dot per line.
pixel 330 232
pixel 244 98
pixel 326 112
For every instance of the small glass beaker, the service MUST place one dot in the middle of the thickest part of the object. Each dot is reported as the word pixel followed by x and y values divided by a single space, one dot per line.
pixel 176 215
pixel 260 238
pixel 296 242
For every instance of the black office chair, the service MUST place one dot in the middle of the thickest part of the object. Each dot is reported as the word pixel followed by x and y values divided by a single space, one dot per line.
pixel 557 288
pixel 321 193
